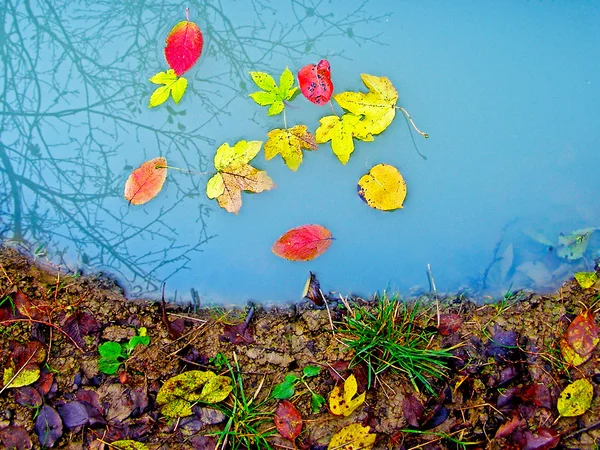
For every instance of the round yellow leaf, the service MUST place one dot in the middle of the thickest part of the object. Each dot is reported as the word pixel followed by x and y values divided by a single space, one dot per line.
pixel 382 188
pixel 575 399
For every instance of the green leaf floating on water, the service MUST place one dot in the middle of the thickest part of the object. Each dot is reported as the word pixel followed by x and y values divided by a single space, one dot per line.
pixel 178 394
pixel 272 95
pixel 573 246
pixel 575 399
pixel 172 85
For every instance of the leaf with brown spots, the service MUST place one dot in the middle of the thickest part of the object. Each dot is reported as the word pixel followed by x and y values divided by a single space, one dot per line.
pixel 288 420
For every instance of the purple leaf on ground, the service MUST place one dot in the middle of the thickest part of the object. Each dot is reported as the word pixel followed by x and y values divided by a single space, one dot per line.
pixel 503 345
pixel 28 396
pixel 239 334
pixel 48 426
pixel 439 416
pixel 15 438
pixel 543 439
pixel 74 414
pixel 412 410
pixel 78 325
pixel 204 442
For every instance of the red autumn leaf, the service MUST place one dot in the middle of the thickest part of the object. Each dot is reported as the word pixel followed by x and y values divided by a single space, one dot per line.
pixel 303 243
pixel 315 82
pixel 146 181
pixel 449 323
pixel 543 439
pixel 184 46
pixel 412 410
pixel 27 308
pixel 288 420
pixel 582 334
pixel 510 427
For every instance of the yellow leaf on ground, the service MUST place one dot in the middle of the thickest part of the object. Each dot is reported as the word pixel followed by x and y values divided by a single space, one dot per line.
pixel 289 143
pixel 575 399
pixel 344 403
pixel 382 188
pixel 586 279
pixel 571 357
pixel 235 175
pixel 378 106
pixel 352 437
pixel 29 375
pixel 339 132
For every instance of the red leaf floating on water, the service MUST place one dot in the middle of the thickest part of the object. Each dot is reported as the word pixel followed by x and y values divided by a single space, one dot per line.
pixel 288 420
pixel 315 82
pixel 184 46
pixel 303 243
pixel 146 181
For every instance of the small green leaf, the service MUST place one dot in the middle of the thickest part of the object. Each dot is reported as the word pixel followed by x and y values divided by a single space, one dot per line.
pixel 135 341
pixel 283 390
pixel 291 378
pixel 575 399
pixel 172 86
pixel 317 402
pixel 263 98
pixel 108 366
pixel 272 95
pixel 311 371
pixel 111 350
pixel 586 279
pixel 276 108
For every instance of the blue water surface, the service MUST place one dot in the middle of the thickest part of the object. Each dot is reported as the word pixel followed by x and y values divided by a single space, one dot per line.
pixel 507 91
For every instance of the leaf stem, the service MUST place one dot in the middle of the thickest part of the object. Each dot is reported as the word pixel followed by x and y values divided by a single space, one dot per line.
pixel 284 120
pixel 332 108
pixel 425 135
pixel 187 14
pixel 158 166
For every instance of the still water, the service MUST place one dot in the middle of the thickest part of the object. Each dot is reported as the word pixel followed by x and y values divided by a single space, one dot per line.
pixel 507 91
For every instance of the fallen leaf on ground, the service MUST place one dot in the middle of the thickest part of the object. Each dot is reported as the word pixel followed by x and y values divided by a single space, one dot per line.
pixel 542 439
pixel 289 143
pixel 272 95
pixel 78 325
pixel 48 426
pixel 128 444
pixel 449 323
pixel 146 181
pixel 378 106
pixel 580 339
pixel 382 188
pixel 575 399
pixel 288 420
pixel 315 82
pixel 171 85
pixel 586 279
pixel 340 132
pixel 235 175
pixel 344 403
pixel 312 290
pixel 23 367
pixel 240 333
pixel 27 308
pixel 352 437
pixel 184 46
pixel 303 243
pixel 14 437
pixel 412 409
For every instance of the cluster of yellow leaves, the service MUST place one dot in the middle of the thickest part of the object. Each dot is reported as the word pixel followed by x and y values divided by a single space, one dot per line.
pixel 289 143
pixel 382 188
pixel 235 175
pixel 344 403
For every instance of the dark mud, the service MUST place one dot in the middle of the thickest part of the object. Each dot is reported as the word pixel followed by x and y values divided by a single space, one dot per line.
pixel 501 390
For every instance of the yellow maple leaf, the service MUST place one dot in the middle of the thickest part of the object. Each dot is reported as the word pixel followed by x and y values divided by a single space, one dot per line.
pixel 235 175
pixel 378 106
pixel 340 132
pixel 344 404
pixel 289 143
pixel 353 436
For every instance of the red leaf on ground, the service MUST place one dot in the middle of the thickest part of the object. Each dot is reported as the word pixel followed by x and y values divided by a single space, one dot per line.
pixel 146 181
pixel 78 325
pixel 544 439
pixel 184 46
pixel 31 353
pixel 510 427
pixel 412 410
pixel 303 243
pixel 27 308
pixel 288 420
pixel 536 393
pixel 240 333
pixel 582 334
pixel 15 438
pixel 315 82
pixel 449 323
pixel 44 384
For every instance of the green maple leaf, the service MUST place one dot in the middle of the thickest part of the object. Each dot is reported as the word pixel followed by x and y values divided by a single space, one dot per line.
pixel 272 95
pixel 172 85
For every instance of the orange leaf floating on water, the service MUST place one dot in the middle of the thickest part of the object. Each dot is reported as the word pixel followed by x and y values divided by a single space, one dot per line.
pixel 146 181
pixel 184 46
pixel 303 243
pixel 315 82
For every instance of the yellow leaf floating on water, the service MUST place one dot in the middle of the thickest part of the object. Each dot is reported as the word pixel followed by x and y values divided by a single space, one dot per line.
pixel 378 106
pixel 340 133
pixel 382 188
pixel 344 404
pixel 352 437
pixel 289 143
pixel 235 175
pixel 575 399
pixel 586 279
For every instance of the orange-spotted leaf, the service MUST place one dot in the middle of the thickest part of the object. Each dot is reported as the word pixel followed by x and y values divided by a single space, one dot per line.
pixel 345 402
pixel 288 420
pixel 303 243
pixel 582 334
pixel 184 46
pixel 315 82
pixel 146 181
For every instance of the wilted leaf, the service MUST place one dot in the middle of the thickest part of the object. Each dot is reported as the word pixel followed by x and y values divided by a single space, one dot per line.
pixel 312 290
pixel 449 323
pixel 146 181
pixel 48 426
pixel 235 175
pixel 271 95
pixel 303 243
pixel 288 420
pixel 340 133
pixel 184 46
pixel 344 403
pixel 543 439
pixel 378 106
pixel 128 444
pixel 573 246
pixel 508 428
pixel 172 85
pixel 28 396
pixel 352 437
pixel 412 410
pixel 382 188
pixel 315 82
pixel 586 279
pixel 27 308
pixel 289 143
pixel 570 356
pixel 575 399
pixel 27 376
pixel 27 356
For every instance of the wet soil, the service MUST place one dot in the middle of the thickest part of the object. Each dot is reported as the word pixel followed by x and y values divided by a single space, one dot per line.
pixel 501 388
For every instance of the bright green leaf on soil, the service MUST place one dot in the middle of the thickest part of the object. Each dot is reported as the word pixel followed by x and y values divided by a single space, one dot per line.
pixel 172 85
pixel 345 403
pixel 272 95
pixel 235 175
pixel 573 246
pixel 30 374
pixel 340 132
pixel 134 342
pixel 586 279
pixel 289 143
pixel 111 350
pixel 285 389
pixel 311 371
pixel 352 437
pixel 108 366
pixel 128 444
pixel 317 402
pixel 575 399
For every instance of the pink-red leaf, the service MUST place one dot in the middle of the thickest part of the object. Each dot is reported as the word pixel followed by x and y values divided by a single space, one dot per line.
pixel 184 46
pixel 315 82
pixel 146 181
pixel 449 323
pixel 288 420
pixel 303 243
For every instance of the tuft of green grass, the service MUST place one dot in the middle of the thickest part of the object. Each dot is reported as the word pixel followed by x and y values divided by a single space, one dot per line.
pixel 393 335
